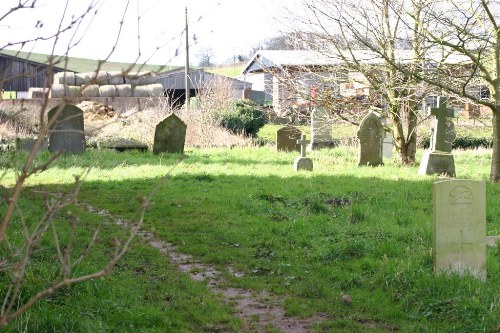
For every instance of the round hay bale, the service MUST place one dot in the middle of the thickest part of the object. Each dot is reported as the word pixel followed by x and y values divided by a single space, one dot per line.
pixel 57 91
pixel 124 90
pixel 115 78
pixel 140 78
pixel 140 91
pixel 102 78
pixel 91 91
pixel 155 90
pixel 82 79
pixel 73 91
pixel 67 78
pixel 107 91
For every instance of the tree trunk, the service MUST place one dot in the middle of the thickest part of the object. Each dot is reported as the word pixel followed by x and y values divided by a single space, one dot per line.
pixel 495 161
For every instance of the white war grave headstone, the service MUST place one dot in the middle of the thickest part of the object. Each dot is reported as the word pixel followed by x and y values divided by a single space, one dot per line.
pixel 459 227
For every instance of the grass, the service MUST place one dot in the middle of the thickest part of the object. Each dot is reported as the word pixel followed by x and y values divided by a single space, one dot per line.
pixel 84 65
pixel 307 237
pixel 232 70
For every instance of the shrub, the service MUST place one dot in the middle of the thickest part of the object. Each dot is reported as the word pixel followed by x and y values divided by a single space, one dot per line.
pixel 242 116
pixel 463 142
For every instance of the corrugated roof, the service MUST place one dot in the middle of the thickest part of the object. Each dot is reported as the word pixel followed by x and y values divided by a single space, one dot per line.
pixel 266 59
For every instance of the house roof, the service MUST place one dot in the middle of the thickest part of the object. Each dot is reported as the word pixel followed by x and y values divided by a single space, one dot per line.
pixel 266 59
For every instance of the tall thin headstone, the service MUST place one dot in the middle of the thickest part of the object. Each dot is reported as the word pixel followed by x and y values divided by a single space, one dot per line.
pixel 170 136
pixel 321 128
pixel 388 145
pixel 438 159
pixel 371 136
pixel 286 139
pixel 67 132
pixel 459 225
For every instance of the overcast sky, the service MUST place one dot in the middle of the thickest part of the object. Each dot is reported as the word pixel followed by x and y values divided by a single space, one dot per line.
pixel 228 27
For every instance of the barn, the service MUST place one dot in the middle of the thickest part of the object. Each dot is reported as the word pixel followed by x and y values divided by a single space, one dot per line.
pixel 18 75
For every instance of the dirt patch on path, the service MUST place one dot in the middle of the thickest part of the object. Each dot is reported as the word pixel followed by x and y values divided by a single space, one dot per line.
pixel 260 312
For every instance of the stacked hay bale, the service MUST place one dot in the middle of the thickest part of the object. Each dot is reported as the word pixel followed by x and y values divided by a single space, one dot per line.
pixel 105 84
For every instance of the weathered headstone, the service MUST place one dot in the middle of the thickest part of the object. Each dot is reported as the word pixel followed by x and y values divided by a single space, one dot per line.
pixel 170 136
pixel 321 128
pixel 27 144
pixel 67 133
pixel 302 162
pixel 286 139
pixel 388 145
pixel 459 224
pixel 371 136
pixel 438 159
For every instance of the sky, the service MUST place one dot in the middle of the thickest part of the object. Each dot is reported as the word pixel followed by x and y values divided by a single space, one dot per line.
pixel 227 27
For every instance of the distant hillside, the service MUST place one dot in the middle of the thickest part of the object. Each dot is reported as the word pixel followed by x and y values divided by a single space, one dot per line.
pixel 83 65
pixel 231 70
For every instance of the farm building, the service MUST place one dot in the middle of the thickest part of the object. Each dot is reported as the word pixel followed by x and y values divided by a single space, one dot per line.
pixel 173 82
pixel 18 75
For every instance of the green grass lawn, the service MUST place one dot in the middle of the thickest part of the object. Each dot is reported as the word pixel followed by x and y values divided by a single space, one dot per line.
pixel 306 237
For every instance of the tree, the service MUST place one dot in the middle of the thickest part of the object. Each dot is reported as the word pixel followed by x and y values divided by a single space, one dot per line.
pixel 364 37
pixel 205 56
pixel 468 32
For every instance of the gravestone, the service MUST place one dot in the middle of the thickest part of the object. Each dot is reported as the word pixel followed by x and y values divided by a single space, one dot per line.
pixel 67 133
pixel 27 144
pixel 302 162
pixel 286 139
pixel 321 128
pixel 459 224
pixel 371 136
pixel 123 144
pixel 438 159
pixel 170 136
pixel 388 145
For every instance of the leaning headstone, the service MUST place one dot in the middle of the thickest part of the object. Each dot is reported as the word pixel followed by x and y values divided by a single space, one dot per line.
pixel 321 128
pixel 459 224
pixel 371 136
pixel 438 159
pixel 388 145
pixel 286 139
pixel 67 133
pixel 170 136
pixel 302 162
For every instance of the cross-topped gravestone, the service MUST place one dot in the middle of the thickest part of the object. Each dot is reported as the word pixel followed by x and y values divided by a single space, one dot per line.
pixel 303 142
pixel 441 127
pixel 302 162
pixel 459 224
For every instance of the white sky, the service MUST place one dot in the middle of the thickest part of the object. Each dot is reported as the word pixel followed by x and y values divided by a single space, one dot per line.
pixel 228 27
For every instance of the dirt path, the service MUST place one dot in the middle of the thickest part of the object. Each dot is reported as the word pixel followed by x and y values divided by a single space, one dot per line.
pixel 259 312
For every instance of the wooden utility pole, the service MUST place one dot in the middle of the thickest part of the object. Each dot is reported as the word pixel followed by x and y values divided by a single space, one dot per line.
pixel 186 72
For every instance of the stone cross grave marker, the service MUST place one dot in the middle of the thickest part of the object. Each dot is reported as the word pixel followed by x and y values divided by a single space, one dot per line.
pixel 302 162
pixel 459 225
pixel 286 139
pixel 67 133
pixel 371 136
pixel 444 132
pixel 170 135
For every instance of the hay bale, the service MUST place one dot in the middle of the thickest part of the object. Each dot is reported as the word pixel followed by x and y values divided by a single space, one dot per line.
pixel 102 78
pixel 107 90
pixel 140 91
pixel 124 90
pixel 116 78
pixel 82 79
pixel 57 91
pixel 73 91
pixel 91 91
pixel 67 78
pixel 155 90
pixel 140 78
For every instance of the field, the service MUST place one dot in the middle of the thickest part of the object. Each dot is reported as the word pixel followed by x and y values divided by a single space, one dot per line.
pixel 342 248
